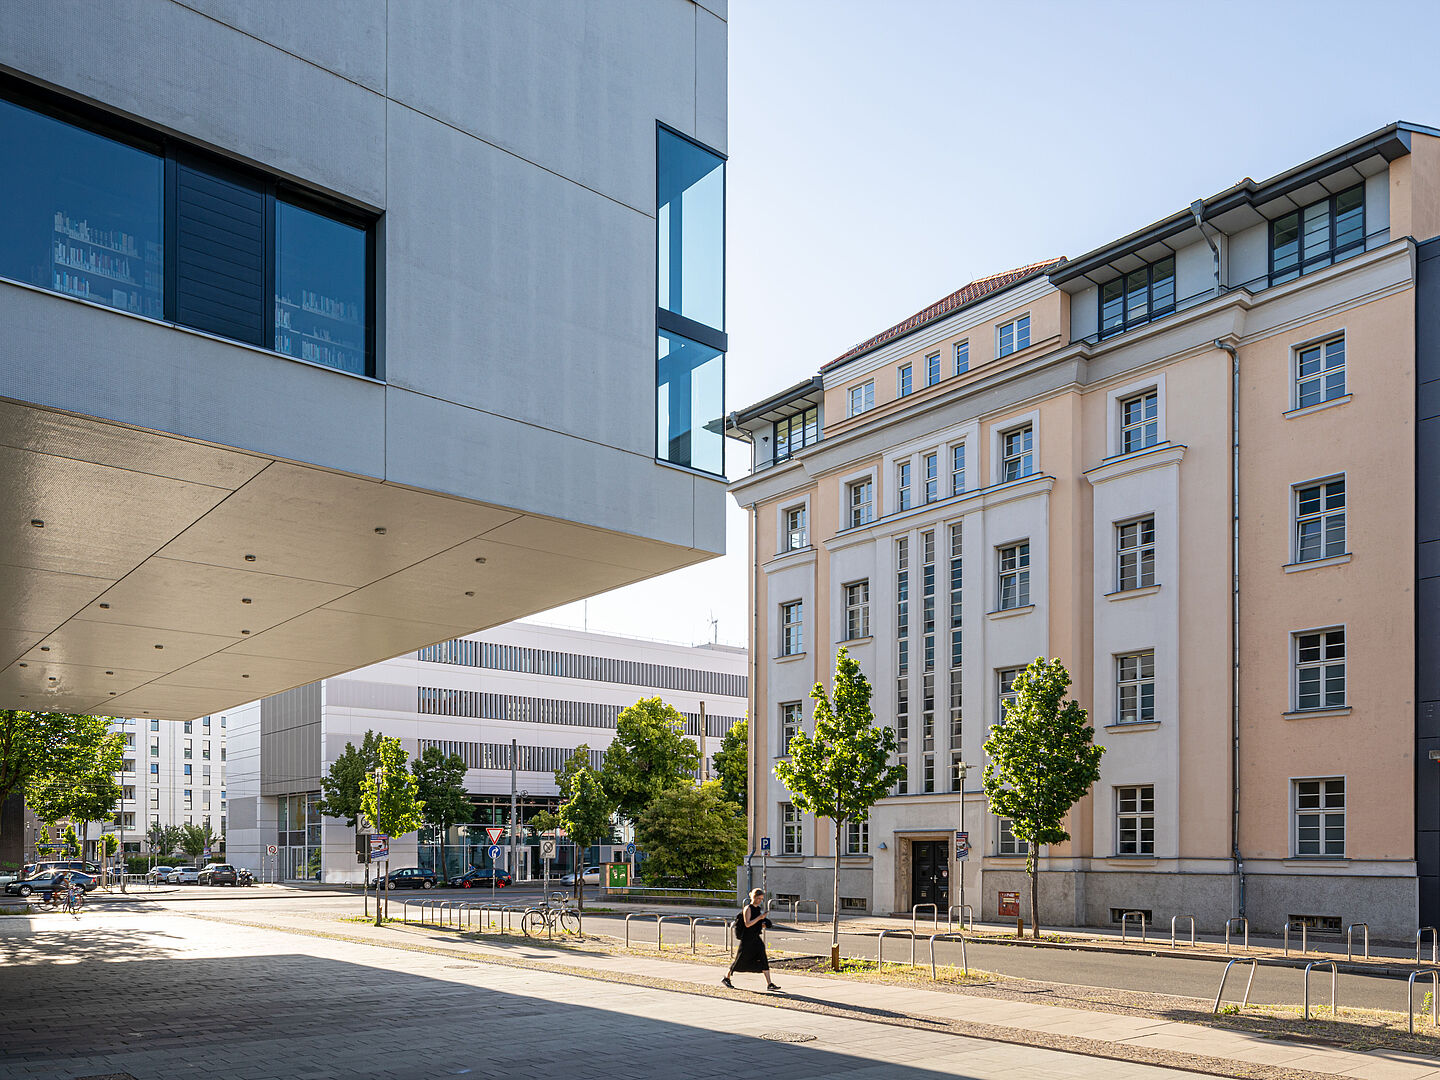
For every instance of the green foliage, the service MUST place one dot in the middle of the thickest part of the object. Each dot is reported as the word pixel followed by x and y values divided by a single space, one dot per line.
pixel 694 834
pixel 440 786
pixel 732 764
pixel 392 805
pixel 578 760
pixel 543 821
pixel 109 844
pixel 44 844
pixel 586 814
pixel 340 786
pixel 844 768
pixel 1041 759
pixel 651 753
pixel 70 843
pixel 74 780
pixel 162 839
pixel 194 839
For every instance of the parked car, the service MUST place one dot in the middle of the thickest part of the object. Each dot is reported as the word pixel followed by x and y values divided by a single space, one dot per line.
pixel 475 878
pixel 219 874
pixel 184 875
pixel 45 883
pixel 159 873
pixel 591 873
pixel 411 877
pixel 46 865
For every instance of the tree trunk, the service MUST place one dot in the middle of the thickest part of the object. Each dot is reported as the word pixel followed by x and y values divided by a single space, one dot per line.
pixel 835 910
pixel 1034 896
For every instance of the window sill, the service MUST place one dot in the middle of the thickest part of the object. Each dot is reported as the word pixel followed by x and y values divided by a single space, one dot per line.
pixel 1132 860
pixel 1308 409
pixel 1316 714
pixel 1010 613
pixel 1337 861
pixel 1315 564
pixel 788 657
pixel 794 550
pixel 1128 594
pixel 866 640
pixel 1005 862
pixel 1143 725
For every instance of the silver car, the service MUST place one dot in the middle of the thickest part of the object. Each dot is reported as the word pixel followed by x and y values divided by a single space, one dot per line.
pixel 184 875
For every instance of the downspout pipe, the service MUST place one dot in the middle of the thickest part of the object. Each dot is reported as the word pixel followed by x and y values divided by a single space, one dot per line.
pixel 1197 209
pixel 1235 617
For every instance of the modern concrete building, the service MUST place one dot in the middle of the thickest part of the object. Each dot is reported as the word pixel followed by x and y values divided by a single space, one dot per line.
pixel 547 690
pixel 1183 463
pixel 173 773
pixel 330 331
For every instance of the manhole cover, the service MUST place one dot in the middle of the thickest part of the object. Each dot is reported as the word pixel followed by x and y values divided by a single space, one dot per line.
pixel 787 1037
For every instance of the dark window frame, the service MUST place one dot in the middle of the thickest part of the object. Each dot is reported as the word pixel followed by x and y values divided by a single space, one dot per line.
pixel 1333 252
pixel 1151 311
pixel 805 421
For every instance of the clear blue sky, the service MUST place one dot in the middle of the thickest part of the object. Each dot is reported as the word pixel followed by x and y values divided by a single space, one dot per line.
pixel 884 153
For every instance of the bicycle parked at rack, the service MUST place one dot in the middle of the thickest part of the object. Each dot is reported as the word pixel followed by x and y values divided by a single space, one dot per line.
pixel 553 916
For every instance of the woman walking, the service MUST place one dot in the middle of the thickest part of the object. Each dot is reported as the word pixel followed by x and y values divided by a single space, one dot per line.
pixel 750 956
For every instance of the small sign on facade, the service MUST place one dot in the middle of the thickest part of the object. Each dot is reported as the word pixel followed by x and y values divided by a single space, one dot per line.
pixel 547 847
pixel 1010 904
pixel 379 847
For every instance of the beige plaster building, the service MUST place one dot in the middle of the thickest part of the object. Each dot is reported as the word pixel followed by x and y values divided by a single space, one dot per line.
pixel 1183 463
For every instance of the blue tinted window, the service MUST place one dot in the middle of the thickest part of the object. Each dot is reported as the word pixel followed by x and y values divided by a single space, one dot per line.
pixel 320 289
pixel 690 403
pixel 690 227
pixel 81 212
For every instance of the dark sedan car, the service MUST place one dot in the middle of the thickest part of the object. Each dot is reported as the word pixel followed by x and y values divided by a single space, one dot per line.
pixel 475 878
pixel 46 882
pixel 219 874
pixel 409 878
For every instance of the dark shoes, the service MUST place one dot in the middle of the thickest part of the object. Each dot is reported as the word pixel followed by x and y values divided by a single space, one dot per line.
pixel 725 982
pixel 773 987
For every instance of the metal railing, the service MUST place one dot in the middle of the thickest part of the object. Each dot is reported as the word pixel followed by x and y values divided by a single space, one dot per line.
pixel 798 904
pixel 642 915
pixel 1304 938
pixel 1173 919
pixel 1434 948
pixel 1334 979
pixel 1349 936
pixel 964 960
pixel 1244 923
pixel 1253 962
pixel 1434 974
pixel 660 930
pixel 967 918
pixel 710 920
pixel 880 946
pixel 770 905
pixel 915 916
pixel 1125 922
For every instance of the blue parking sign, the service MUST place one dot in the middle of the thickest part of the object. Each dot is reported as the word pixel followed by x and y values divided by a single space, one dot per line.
pixel 494 852
pixel 764 843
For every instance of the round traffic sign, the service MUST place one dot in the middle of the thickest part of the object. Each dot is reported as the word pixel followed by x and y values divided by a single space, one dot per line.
pixel 494 851
pixel 630 848
pixel 271 849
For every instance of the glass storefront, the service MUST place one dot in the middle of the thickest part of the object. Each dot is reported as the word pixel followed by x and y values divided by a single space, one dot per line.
pixel 297 834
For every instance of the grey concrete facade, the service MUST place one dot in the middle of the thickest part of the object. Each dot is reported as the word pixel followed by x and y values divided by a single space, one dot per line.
pixel 508 156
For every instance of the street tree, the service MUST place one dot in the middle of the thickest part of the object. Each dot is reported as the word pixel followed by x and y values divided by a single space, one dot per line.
pixel 586 816
pixel 194 839
pixel 578 759
pixel 440 785
pixel 43 753
pixel 1040 760
pixel 79 784
pixel 70 842
pixel 693 834
pixel 543 821
pixel 162 839
pixel 651 753
pixel 844 768
pixel 109 845
pixel 340 786
pixel 732 764
pixel 388 796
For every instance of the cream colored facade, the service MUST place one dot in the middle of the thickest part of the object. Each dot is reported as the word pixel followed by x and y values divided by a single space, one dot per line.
pixel 1219 367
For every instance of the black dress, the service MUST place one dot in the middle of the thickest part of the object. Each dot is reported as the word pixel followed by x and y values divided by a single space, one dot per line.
pixel 751 954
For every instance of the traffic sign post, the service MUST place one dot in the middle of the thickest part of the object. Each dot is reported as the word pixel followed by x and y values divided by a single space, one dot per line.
pixel 764 863
pixel 494 832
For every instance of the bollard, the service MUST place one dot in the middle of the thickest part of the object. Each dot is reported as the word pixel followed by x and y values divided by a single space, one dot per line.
pixel 1019 926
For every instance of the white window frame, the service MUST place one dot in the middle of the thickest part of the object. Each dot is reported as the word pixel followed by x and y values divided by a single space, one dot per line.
pixel 1007 844
pixel 856 605
pixel 1020 572
pixel 904 380
pixel 904 476
pixel 792 537
pixel 1326 816
pixel 961 354
pixel 932 369
pixel 1130 677
pixel 1138 550
pixel 1325 516
pixel 957 476
pixel 1019 327
pixel 1323 663
pixel 930 475
pixel 1322 376
pixel 1146 425
pixel 1002 694
pixel 1131 810
pixel 857 838
pixel 1115 399
pixel 848 519
pixel 787 731
pixel 797 608
pixel 860 398
pixel 1003 459
pixel 792 830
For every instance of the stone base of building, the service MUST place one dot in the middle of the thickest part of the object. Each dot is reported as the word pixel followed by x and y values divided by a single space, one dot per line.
pixel 811 879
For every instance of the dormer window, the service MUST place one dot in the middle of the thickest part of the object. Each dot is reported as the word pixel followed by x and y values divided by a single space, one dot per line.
pixel 1317 235
pixel 1139 296
pixel 795 432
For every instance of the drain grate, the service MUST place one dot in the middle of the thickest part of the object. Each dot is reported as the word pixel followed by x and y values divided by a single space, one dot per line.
pixel 787 1037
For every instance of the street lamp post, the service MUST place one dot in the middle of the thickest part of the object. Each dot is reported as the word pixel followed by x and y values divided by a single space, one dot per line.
pixel 963 768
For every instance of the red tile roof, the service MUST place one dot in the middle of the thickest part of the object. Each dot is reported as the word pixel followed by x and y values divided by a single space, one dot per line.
pixel 976 290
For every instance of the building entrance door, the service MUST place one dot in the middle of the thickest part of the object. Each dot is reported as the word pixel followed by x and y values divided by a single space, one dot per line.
pixel 930 873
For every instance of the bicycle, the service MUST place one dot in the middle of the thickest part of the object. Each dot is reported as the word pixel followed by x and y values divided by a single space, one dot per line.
pixel 546 920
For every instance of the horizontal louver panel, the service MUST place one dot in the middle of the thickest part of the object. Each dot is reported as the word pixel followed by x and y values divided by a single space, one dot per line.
pixel 220 255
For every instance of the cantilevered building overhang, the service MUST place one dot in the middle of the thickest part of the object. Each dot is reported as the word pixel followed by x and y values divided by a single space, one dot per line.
pixel 211 494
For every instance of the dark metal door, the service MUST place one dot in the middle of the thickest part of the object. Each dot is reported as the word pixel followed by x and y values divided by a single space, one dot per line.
pixel 930 873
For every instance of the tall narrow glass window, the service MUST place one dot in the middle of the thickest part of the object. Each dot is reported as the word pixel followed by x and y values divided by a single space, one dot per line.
pixel 690 403
pixel 320 289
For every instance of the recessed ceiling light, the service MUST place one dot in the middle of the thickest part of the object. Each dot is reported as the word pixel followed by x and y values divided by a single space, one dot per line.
pixel 44 648
pixel 481 559
pixel 159 646
pixel 109 673
pixel 249 558
pixel 112 693
pixel 469 592
pixel 244 631
pixel 54 679
pixel 379 530
pixel 105 606
pixel 244 676
pixel 245 600
pixel 37 523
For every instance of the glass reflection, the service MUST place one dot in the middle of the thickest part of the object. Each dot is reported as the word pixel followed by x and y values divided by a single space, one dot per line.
pixel 690 404
pixel 691 231
pixel 320 289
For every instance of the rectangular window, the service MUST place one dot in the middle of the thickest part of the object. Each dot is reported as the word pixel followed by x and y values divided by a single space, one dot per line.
pixel 690 303
pixel 796 532
pixel 1014 336
pixel 1141 295
pixel 321 313
pixel 932 369
pixel 1139 422
pixel 1017 453
pixel 932 477
pixel 902 654
pixel 862 503
pixel 862 398
pixel 957 469
pixel 154 769
pixel 1014 584
pixel 1320 520
pixel 1320 817
pixel 903 380
pixel 1320 372
pixel 1320 669
pixel 1135 688
pixel 1005 690
pixel 796 432
pixel 1006 842
pixel 962 357
pixel 188 770
pixel 189 724
pixel 902 486
pixel 792 636
pixel 1317 235
pixel 857 838
pixel 154 749
pixel 857 610
pixel 1135 554
pixel 1135 820
pixel 791 713
pixel 187 750
pixel 790 830
pixel 154 725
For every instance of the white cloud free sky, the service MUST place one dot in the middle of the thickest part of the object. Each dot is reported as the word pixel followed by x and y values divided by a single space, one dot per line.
pixel 884 153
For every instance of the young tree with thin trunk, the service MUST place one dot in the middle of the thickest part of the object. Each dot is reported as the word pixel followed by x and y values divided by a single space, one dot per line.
pixel 586 816
pixel 650 753
pixel 388 797
pixel 440 785
pixel 78 784
pixel 844 768
pixel 1040 760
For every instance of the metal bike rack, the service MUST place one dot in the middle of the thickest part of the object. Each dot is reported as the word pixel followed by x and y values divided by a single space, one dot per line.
pixel 1125 922
pixel 1245 923
pixel 1304 938
pixel 1173 919
pixel 964 960
pixel 880 946
pixel 800 903
pixel 915 915
pixel 641 915
pixel 659 945
pixel 710 920
pixel 1253 962
pixel 967 918
pixel 1434 974
pixel 1434 948
pixel 770 906
pixel 1334 978
pixel 1349 932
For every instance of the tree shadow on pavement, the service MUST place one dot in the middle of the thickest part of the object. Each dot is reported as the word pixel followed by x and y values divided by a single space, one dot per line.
pixel 61 939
